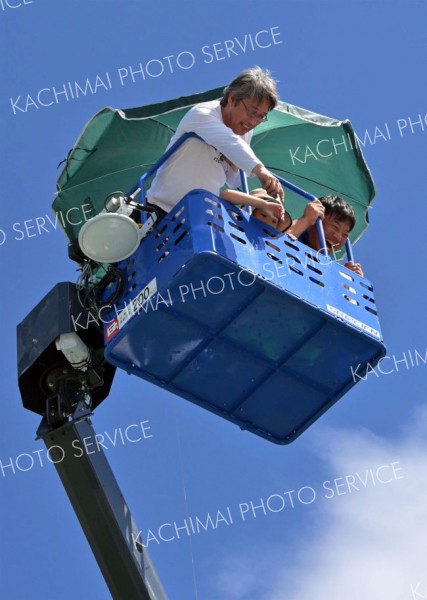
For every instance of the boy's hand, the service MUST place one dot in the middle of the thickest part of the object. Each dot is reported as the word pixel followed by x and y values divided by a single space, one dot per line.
pixel 275 211
pixel 313 211
pixel 355 267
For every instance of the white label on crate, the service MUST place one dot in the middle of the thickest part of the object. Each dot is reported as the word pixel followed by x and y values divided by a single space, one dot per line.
pixel 132 308
pixel 345 317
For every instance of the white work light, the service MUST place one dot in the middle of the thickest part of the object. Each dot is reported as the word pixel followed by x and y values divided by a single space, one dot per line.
pixel 112 235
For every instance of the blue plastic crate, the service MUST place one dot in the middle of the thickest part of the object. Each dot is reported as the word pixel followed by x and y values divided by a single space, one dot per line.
pixel 224 311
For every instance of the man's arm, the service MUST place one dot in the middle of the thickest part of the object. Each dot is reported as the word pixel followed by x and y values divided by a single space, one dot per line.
pixel 268 181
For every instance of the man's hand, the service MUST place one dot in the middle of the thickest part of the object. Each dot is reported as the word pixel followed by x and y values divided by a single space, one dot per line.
pixel 268 181
pixel 355 267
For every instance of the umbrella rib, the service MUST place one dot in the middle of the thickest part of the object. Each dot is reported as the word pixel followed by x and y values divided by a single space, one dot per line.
pixel 170 129
pixel 162 124
pixel 110 174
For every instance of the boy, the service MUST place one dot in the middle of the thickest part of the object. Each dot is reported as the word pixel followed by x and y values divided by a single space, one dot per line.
pixel 337 216
pixel 338 220
pixel 267 209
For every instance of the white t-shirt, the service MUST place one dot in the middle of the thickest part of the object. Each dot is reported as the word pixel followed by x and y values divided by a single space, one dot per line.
pixel 198 164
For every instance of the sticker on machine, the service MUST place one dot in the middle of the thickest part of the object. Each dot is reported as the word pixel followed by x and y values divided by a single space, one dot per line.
pixel 131 308
pixel 112 329
pixel 345 317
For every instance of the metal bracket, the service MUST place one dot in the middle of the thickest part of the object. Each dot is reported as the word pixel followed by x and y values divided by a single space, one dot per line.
pixel 149 223
pixel 59 415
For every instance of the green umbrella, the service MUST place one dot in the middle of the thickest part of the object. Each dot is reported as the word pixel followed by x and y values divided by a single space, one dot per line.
pixel 314 152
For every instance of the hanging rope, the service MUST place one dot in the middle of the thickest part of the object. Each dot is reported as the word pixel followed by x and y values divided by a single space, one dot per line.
pixel 181 465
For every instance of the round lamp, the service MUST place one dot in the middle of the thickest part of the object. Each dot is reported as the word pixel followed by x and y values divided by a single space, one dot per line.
pixel 109 237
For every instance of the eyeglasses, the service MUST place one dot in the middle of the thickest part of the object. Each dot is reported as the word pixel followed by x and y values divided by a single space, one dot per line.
pixel 254 115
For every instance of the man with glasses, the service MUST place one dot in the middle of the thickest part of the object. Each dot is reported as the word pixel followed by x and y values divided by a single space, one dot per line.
pixel 226 127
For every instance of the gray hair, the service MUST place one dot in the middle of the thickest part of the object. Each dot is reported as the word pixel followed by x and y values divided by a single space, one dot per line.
pixel 254 84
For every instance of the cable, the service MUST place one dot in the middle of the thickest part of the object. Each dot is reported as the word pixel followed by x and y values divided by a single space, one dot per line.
pixel 90 294
pixel 116 276
pixel 181 464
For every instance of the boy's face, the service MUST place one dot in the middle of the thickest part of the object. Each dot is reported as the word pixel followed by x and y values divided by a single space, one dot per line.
pixel 268 220
pixel 336 234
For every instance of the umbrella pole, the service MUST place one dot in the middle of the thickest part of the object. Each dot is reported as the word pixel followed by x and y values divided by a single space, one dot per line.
pixel 140 186
pixel 245 189
pixel 349 250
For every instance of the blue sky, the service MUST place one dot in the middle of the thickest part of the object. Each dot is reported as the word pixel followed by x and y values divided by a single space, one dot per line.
pixel 364 61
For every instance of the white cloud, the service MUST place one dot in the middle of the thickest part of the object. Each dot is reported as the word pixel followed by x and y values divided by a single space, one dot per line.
pixel 368 543
pixel 372 543
pixel 238 580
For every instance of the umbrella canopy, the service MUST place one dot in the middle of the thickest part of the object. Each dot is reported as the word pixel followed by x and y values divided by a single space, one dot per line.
pixel 316 153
